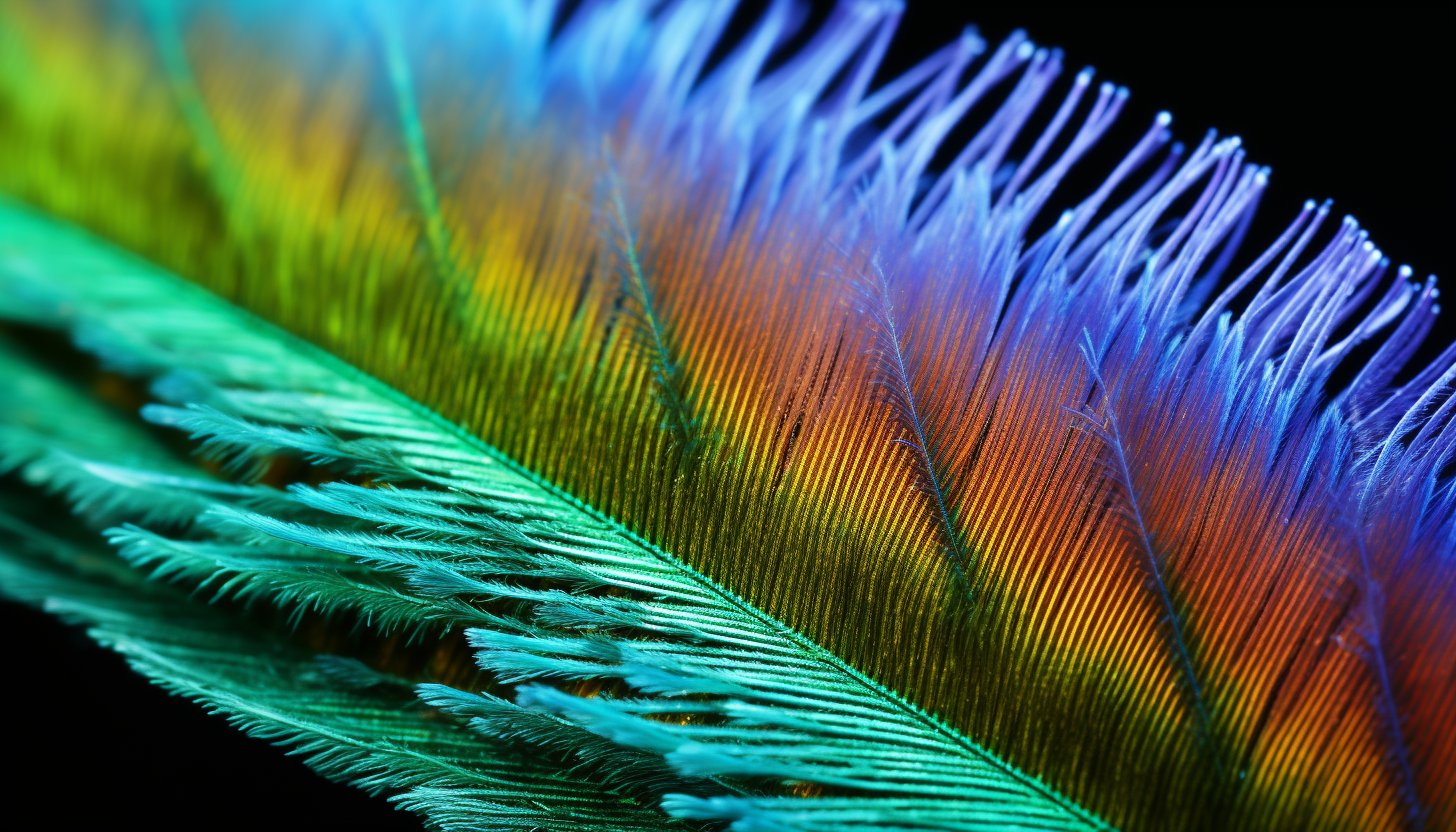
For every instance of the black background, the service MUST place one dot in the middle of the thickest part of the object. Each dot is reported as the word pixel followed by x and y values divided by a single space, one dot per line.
pixel 1349 106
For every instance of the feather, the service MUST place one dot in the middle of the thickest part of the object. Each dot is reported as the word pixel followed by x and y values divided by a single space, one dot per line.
pixel 668 426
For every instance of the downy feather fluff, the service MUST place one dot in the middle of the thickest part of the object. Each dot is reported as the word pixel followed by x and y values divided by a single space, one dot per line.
pixel 587 418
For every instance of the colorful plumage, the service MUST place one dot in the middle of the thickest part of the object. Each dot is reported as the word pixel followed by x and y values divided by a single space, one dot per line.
pixel 588 419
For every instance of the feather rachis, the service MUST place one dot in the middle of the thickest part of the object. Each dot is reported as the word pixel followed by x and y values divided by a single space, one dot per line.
pixel 1370 607
pixel 1105 428
pixel 163 24
pixel 899 389
pixel 421 175
pixel 667 371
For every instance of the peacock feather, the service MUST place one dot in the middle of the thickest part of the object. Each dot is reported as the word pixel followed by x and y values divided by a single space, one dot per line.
pixel 603 417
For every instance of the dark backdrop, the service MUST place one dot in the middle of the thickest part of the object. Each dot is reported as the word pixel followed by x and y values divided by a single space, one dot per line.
pixel 1349 106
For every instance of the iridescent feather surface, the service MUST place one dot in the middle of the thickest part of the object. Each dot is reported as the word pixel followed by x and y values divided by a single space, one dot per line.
pixel 587 418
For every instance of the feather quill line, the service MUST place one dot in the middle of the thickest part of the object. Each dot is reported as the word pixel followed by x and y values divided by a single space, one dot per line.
pixel 166 34
pixel 667 372
pixel 412 130
pixel 1371 602
pixel 1112 439
pixel 902 399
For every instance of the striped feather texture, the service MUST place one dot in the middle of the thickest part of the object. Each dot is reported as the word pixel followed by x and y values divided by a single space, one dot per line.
pixel 1107 491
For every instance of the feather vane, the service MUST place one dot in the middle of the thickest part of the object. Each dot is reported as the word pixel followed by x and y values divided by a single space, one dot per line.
pixel 837 485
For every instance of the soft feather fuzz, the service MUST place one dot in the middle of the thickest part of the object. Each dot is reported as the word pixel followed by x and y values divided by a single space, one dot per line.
pixel 1067 471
